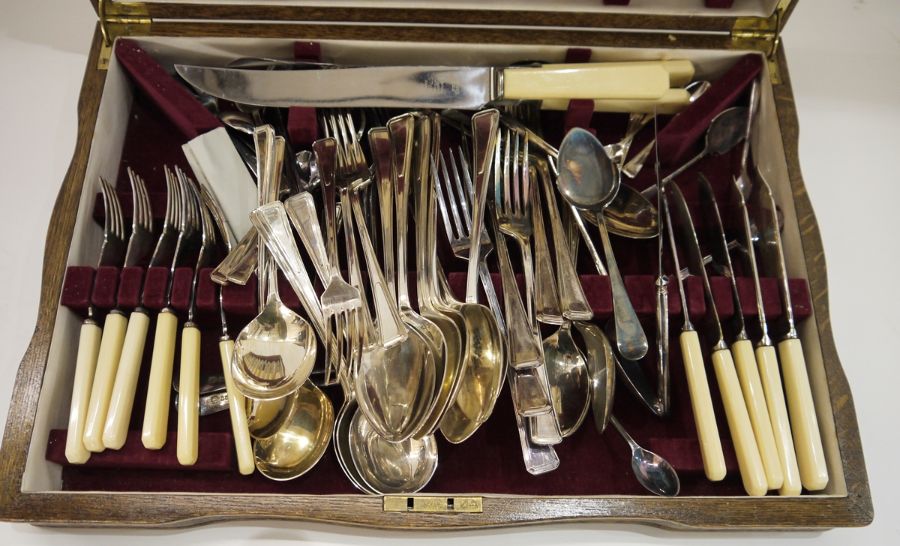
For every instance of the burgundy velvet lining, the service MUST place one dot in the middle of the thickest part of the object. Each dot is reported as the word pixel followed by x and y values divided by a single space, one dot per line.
pixel 490 461
pixel 720 4
pixel 174 100
pixel 302 125
pixel 214 452
pixel 678 139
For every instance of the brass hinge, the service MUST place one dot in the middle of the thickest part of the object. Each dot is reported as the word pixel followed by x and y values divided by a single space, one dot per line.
pixel 120 19
pixel 430 504
pixel 762 34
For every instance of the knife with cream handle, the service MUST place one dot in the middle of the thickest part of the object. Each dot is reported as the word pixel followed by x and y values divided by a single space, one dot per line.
pixel 435 86
pixel 750 463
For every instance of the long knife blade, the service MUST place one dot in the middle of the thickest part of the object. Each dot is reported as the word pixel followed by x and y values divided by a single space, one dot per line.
pixel 771 250
pixel 719 250
pixel 463 87
pixel 384 86
pixel 684 226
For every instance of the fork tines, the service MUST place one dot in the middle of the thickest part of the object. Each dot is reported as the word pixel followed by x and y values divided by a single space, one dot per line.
pixel 113 246
pixel 142 221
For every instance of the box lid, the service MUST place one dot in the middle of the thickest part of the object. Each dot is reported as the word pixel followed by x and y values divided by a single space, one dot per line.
pixel 660 15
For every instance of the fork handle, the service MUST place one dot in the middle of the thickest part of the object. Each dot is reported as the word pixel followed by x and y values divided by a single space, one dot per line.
pixel 104 375
pixel 121 401
pixel 159 387
pixel 85 362
pixel 188 396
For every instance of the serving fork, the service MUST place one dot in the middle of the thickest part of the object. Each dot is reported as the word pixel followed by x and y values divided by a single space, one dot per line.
pixel 92 338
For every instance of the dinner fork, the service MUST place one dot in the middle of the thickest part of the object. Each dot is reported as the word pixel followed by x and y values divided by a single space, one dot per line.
pixel 159 388
pixel 513 202
pixel 106 374
pixel 95 342
pixel 189 370
pixel 115 431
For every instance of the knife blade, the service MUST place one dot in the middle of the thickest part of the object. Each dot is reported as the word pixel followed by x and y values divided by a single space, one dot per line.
pixel 429 86
pixel 749 460
pixel 804 423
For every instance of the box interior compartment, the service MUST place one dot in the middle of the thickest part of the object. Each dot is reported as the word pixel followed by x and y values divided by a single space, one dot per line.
pixel 132 131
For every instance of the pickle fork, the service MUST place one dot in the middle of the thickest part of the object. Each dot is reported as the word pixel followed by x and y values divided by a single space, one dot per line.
pixel 93 342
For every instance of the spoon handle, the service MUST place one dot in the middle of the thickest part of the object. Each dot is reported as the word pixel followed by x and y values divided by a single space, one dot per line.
pixel 275 232
pixel 301 209
pixel 380 144
pixel 546 296
pixel 485 125
pixel 630 337
pixel 572 301
pixel 390 326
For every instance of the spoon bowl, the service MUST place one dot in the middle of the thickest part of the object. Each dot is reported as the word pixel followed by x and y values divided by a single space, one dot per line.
pixel 570 382
pixel 274 354
pixel 391 467
pixel 652 471
pixel 303 438
pixel 601 368
pixel 630 215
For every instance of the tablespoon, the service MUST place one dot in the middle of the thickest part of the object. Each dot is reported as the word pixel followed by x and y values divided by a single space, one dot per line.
pixel 275 353
pixel 588 179
pixel 411 138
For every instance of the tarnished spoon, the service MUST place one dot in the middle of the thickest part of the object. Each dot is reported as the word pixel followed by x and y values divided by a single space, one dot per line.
pixel 588 179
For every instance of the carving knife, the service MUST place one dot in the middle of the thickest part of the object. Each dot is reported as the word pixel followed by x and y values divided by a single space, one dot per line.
pixel 749 461
pixel 429 86
pixel 767 360
pixel 807 439
pixel 742 348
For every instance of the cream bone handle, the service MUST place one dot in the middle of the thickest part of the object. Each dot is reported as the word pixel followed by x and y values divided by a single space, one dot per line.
pixel 121 401
pixel 641 80
pixel 755 399
pixel 805 426
pixel 767 360
pixel 238 411
pixel 585 81
pixel 104 376
pixel 701 404
pixel 159 387
pixel 749 461
pixel 85 362
pixel 188 396
pixel 187 438
pixel 671 102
